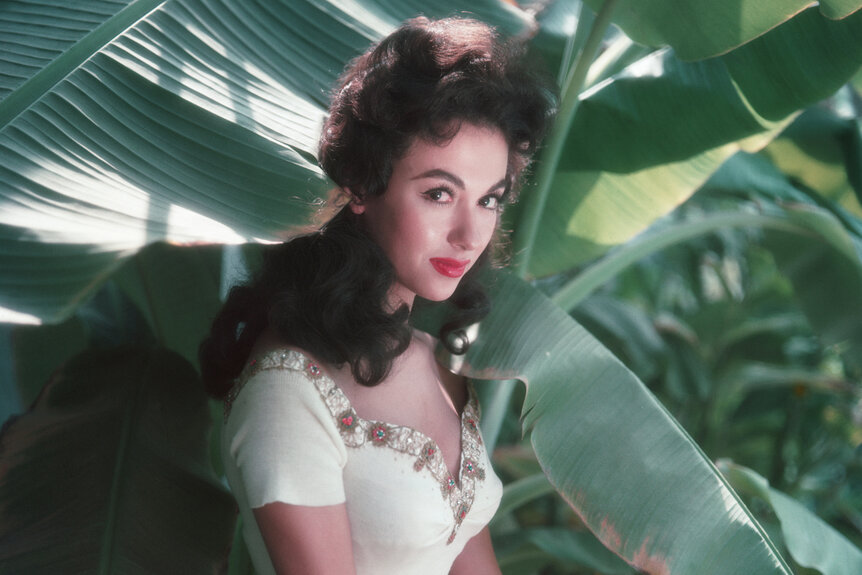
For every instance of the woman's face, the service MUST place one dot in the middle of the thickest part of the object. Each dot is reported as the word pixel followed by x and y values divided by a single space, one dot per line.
pixel 439 211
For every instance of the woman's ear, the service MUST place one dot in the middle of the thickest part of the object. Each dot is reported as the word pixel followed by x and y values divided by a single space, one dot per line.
pixel 355 204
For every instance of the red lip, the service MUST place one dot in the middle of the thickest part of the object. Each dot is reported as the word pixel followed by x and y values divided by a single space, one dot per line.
pixel 449 267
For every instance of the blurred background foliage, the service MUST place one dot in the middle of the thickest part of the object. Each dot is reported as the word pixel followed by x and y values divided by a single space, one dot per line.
pixel 697 210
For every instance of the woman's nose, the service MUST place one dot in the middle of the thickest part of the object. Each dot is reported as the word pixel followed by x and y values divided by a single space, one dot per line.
pixel 465 231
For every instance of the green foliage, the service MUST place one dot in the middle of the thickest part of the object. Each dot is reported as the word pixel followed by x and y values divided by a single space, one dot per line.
pixel 105 473
pixel 126 126
pixel 722 340
pixel 699 29
pixel 810 540
pixel 580 396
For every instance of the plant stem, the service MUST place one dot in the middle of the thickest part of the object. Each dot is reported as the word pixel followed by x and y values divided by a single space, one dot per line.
pixel 534 203
pixel 575 43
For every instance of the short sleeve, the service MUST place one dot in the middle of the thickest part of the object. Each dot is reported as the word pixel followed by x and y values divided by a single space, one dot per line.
pixel 281 442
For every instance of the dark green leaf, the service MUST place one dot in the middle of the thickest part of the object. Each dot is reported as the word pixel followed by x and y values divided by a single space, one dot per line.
pixel 579 548
pixel 109 472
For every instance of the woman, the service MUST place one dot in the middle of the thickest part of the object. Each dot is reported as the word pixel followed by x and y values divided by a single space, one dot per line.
pixel 348 448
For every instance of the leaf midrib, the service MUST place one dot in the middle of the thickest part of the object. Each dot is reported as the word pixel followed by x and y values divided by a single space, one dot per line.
pixel 44 81
pixel 131 417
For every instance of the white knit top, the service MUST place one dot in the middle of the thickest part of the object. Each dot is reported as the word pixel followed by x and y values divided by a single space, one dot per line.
pixel 291 435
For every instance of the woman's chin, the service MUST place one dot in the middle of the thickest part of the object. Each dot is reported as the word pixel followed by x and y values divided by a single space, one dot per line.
pixel 437 295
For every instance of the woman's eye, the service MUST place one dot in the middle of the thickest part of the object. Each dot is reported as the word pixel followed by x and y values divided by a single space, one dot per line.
pixel 490 202
pixel 438 195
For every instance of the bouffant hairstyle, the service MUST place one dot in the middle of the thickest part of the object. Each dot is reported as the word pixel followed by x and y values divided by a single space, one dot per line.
pixel 326 292
pixel 422 81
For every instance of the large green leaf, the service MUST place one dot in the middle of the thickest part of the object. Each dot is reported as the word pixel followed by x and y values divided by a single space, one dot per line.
pixel 589 212
pixel 773 72
pixel 177 290
pixel 637 113
pixel 196 121
pixel 185 121
pixel 822 149
pixel 109 472
pixel 803 220
pixel 47 41
pixel 702 28
pixel 809 539
pixel 35 352
pixel 835 260
pixel 627 159
pixel 616 456
pixel 577 549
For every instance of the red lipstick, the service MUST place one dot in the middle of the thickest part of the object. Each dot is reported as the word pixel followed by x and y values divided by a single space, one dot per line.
pixel 449 267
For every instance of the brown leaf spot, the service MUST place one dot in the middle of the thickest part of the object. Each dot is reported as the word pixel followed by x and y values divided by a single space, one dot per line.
pixel 485 373
pixel 609 536
pixel 652 564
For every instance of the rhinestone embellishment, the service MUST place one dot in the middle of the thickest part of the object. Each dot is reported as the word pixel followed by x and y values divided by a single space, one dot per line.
pixel 347 420
pixel 356 431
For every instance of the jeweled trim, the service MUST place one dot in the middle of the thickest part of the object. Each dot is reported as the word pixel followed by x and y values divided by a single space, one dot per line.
pixel 356 431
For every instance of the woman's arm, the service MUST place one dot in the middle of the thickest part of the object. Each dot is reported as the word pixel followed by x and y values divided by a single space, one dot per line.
pixel 302 539
pixel 477 558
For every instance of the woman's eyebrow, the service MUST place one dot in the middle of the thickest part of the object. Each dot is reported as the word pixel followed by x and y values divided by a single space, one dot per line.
pixel 440 173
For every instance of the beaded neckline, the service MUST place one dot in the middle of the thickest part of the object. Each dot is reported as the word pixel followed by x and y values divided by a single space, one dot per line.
pixel 356 431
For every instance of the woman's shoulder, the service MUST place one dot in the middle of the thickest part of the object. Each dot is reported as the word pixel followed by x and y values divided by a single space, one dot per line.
pixel 270 349
pixel 278 370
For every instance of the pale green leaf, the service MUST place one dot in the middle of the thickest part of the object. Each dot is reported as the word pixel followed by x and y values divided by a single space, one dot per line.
pixel 643 141
pixel 616 456
pixel 702 28
pixel 811 541
pixel 186 122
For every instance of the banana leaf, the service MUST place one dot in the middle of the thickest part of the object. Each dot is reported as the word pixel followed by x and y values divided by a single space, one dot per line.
pixel 109 472
pixel 617 457
pixel 823 151
pixel 834 261
pixel 187 121
pixel 578 549
pixel 196 121
pixel 644 140
pixel 811 541
pixel 701 28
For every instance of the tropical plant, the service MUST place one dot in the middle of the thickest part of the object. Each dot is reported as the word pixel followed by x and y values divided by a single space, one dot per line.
pixel 123 126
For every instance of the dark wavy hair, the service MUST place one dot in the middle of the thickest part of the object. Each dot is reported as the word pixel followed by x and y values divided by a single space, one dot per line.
pixel 326 292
